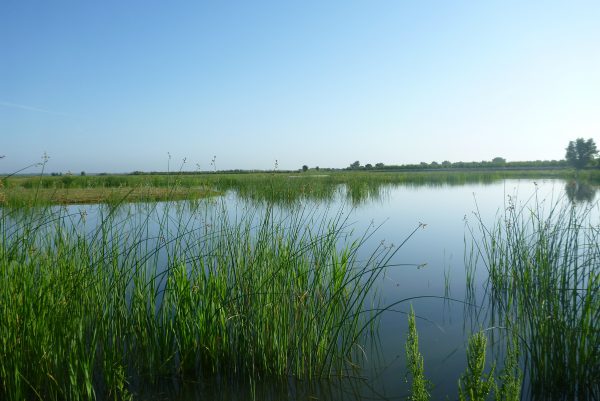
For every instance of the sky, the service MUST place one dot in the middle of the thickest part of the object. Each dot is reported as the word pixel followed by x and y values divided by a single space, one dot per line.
pixel 118 86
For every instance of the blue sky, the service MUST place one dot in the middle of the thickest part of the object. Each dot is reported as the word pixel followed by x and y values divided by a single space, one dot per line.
pixel 116 86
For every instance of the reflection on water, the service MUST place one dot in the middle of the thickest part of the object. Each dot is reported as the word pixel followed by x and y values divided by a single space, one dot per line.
pixel 580 191
pixel 428 272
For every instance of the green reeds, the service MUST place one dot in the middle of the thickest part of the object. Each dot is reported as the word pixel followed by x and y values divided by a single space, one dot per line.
pixel 418 388
pixel 99 313
pixel 277 186
pixel 544 269
pixel 474 384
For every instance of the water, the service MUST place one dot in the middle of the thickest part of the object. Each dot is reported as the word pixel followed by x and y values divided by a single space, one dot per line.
pixel 427 272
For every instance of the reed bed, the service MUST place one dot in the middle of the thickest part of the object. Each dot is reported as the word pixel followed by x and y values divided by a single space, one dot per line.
pixel 544 275
pixel 100 312
pixel 277 186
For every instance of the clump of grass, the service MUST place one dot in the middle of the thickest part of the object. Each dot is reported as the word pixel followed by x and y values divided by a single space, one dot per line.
pixel 544 271
pixel 98 314
pixel 418 388
pixel 474 385
pixel 511 377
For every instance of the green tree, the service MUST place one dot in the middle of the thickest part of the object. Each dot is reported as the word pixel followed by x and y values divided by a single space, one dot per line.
pixel 499 160
pixel 368 166
pixel 305 168
pixel 580 152
pixel 355 165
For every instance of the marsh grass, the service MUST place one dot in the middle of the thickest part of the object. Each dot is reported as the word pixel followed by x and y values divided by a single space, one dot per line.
pixel 544 275
pixel 98 313
pixel 19 197
pixel 277 186
pixel 474 384
pixel 419 385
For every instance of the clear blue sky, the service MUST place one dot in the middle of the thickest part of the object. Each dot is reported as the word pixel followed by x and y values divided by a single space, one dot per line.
pixel 115 85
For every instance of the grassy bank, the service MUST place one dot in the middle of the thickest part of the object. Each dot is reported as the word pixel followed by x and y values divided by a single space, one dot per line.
pixel 276 186
pixel 22 197
pixel 99 314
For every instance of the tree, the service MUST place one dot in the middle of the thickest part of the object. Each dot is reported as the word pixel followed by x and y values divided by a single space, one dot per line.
pixel 355 165
pixel 368 166
pixel 305 168
pixel 379 165
pixel 499 160
pixel 580 152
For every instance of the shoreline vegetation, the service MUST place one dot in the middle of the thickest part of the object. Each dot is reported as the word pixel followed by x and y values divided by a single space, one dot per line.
pixel 268 293
pixel 277 185
pixel 258 295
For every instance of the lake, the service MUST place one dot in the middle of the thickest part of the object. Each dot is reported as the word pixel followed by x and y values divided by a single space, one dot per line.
pixel 429 271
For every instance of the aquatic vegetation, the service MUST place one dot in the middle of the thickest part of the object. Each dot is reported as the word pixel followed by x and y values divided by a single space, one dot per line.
pixel 278 186
pixel 414 359
pixel 544 273
pixel 474 384
pixel 220 293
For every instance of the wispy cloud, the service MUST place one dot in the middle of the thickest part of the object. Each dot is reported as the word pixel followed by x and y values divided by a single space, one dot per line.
pixel 30 108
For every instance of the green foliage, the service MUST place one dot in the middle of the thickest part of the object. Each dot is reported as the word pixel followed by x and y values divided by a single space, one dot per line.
pixel 474 385
pixel 511 376
pixel 543 263
pixel 305 168
pixel 358 185
pixel 581 153
pixel 100 315
pixel 414 360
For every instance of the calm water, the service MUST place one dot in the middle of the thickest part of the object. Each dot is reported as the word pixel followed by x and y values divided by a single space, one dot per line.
pixel 427 272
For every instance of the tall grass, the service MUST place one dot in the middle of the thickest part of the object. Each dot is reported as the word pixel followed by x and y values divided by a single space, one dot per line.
pixel 99 312
pixel 414 360
pixel 283 187
pixel 544 273
pixel 474 384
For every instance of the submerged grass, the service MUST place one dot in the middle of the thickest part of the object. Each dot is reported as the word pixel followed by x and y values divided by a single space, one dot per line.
pixel 100 313
pixel 544 273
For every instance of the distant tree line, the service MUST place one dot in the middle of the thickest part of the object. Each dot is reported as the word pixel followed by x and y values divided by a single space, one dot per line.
pixel 497 162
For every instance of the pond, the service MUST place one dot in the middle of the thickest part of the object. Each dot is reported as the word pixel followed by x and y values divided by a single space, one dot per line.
pixel 430 231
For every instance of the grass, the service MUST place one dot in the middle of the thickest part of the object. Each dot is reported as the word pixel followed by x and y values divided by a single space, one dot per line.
pixel 20 197
pixel 474 384
pixel 418 388
pixel 544 273
pixel 101 313
pixel 282 187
